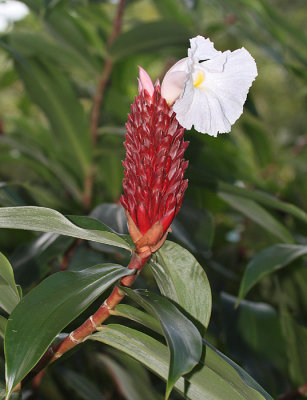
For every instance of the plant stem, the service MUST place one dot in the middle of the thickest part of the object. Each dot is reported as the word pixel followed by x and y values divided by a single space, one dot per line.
pixel 93 322
pixel 295 394
pixel 106 72
pixel 102 83
pixel 103 312
pixel 68 254
pixel 36 382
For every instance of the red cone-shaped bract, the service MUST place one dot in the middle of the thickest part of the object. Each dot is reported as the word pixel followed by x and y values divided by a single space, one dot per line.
pixel 154 165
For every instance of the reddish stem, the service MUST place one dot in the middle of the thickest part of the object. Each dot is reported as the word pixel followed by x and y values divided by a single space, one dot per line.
pixel 90 325
pixel 103 312
pixel 36 381
pixel 295 394
pixel 102 83
pixel 69 253
pixel 106 72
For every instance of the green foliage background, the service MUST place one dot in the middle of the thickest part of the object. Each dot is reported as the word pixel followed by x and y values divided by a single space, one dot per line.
pixel 247 189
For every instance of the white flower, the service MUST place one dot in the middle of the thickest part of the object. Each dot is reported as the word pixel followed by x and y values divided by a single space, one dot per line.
pixel 209 87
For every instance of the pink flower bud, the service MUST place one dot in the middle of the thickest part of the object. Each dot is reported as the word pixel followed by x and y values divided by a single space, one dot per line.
pixel 145 83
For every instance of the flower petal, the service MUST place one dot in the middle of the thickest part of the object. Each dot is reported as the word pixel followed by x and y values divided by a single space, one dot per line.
pixel 145 82
pixel 218 103
pixel 215 64
pixel 202 49
pixel 174 80
pixel 200 108
pixel 232 85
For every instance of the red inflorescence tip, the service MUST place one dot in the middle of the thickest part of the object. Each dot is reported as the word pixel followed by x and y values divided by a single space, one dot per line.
pixel 154 182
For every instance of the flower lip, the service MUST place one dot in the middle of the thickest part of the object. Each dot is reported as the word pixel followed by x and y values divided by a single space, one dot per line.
pixel 198 78
pixel 226 76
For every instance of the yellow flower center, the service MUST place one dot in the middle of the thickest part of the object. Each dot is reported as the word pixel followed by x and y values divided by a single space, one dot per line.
pixel 198 78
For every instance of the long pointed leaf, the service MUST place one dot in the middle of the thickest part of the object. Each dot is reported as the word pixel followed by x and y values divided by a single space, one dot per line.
pixel 257 214
pixel 79 384
pixel 181 278
pixel 9 296
pixel 47 220
pixel 184 340
pixel 268 261
pixel 51 91
pixel 46 310
pixel 136 315
pixel 3 322
pixel 148 37
pixel 264 199
pixel 131 377
pixel 217 378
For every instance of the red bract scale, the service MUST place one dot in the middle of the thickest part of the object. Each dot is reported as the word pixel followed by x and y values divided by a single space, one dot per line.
pixel 154 182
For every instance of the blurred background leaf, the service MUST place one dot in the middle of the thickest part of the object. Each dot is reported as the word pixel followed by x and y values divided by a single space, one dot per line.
pixel 247 190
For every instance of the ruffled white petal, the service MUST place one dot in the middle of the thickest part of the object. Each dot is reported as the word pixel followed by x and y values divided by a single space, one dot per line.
pixel 202 49
pixel 202 109
pixel 217 102
pixel 215 64
pixel 232 85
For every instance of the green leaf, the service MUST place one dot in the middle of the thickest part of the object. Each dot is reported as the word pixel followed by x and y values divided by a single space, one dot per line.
pixel 217 358
pixel 260 141
pixel 175 9
pixel 17 56
pixel 134 314
pixel 3 322
pixel 79 384
pixel 9 296
pixel 183 338
pixel 14 396
pixel 34 5
pixel 243 325
pixel 268 261
pixel 48 309
pixel 30 44
pixel 283 23
pixel 218 378
pixel 148 37
pixel 68 31
pixel 296 346
pixel 246 330
pixel 53 172
pixel 50 89
pixel 8 78
pixel 48 220
pixel 85 255
pixel 131 377
pixel 263 198
pixel 256 213
pixel 194 228
pixel 31 260
pixel 112 215
pixel 9 197
pixel 181 279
